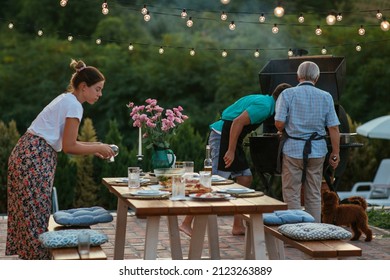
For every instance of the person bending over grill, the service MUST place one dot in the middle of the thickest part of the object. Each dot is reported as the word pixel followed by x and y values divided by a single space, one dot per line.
pixel 226 143
pixel 302 115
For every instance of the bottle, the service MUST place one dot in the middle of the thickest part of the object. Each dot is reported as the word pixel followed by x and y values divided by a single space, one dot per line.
pixel 208 163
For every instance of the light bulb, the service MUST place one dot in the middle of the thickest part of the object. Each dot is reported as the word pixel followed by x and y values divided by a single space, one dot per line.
pixel 147 16
pixel 161 50
pixel 378 15
pixel 339 17
pixel 131 47
pixel 183 14
pixel 98 41
pixel 385 25
pixel 223 16
pixel 105 8
pixel 275 29
pixel 70 38
pixel 190 23
pixel 358 48
pixel 256 53
pixel 192 52
pixel 361 30
pixel 40 32
pixel 63 3
pixel 225 2
pixel 301 19
pixel 224 53
pixel 331 19
pixel 262 18
pixel 10 25
pixel 279 11
pixel 318 30
pixel 323 51
pixel 290 52
pixel 144 10
pixel 232 26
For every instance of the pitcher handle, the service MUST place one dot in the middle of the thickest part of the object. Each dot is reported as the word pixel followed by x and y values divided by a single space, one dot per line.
pixel 170 152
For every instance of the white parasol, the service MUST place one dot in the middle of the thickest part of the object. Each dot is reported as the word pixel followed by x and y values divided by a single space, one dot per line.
pixel 376 128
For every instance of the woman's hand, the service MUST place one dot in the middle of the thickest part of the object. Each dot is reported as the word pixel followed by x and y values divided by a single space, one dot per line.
pixel 228 159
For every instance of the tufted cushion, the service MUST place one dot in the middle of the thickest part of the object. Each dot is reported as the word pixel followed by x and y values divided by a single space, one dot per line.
pixel 69 238
pixel 82 216
pixel 287 217
pixel 314 231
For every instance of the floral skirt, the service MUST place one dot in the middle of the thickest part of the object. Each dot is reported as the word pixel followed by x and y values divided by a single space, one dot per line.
pixel 31 168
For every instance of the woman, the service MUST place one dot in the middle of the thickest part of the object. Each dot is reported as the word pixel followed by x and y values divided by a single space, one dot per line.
pixel 32 163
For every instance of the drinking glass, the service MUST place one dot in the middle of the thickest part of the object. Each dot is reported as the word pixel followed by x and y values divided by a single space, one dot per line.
pixel 178 188
pixel 205 178
pixel 188 166
pixel 134 177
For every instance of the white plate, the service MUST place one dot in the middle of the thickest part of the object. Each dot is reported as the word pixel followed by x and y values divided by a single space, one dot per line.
pixel 150 193
pixel 208 197
pixel 237 190
pixel 217 178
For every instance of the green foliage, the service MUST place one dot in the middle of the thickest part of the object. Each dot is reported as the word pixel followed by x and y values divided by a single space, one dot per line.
pixel 379 218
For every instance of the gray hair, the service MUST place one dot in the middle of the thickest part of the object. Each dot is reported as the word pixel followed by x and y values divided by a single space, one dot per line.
pixel 309 71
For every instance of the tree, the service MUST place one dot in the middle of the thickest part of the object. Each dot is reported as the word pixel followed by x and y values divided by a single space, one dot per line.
pixel 86 189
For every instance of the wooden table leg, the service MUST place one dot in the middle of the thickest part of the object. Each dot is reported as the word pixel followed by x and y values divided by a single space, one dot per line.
pixel 259 247
pixel 197 238
pixel 120 232
pixel 174 238
pixel 151 237
pixel 213 237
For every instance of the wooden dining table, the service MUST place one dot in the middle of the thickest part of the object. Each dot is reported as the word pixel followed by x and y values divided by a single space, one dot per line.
pixel 205 214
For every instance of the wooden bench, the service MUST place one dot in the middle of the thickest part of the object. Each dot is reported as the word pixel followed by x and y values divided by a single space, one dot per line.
pixel 275 242
pixel 95 253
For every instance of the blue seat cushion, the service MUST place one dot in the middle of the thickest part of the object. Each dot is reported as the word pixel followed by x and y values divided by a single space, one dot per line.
pixel 314 231
pixel 69 238
pixel 82 216
pixel 287 217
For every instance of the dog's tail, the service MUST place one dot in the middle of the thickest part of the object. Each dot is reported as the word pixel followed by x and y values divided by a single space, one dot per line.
pixel 355 200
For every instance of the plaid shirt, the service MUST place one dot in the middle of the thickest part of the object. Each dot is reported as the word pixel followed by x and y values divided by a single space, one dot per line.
pixel 305 109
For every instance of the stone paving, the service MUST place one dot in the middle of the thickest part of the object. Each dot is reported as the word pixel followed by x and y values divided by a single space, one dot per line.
pixel 232 247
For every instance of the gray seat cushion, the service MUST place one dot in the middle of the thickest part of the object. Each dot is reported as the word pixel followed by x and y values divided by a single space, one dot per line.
pixel 314 231
pixel 82 216
pixel 69 238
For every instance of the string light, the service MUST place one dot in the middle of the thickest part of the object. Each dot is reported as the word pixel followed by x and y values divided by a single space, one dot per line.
pixel 279 11
pixel 361 30
pixel 161 50
pixel 70 38
pixel 144 10
pixel 223 16
pixel 224 53
pixel 318 30
pixel 232 26
pixel 40 32
pixel 301 19
pixel 290 52
pixel 262 18
pixel 385 25
pixel 192 52
pixel 323 51
pixel 331 19
pixel 339 17
pixel 378 15
pixel 63 3
pixel 275 29
pixel 183 14
pixel 190 23
pixel 131 47
pixel 358 48
pixel 10 25
pixel 147 16
pixel 105 8
pixel 256 53
pixel 98 41
pixel 225 2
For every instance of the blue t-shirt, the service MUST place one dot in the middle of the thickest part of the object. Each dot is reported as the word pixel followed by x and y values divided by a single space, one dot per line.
pixel 258 106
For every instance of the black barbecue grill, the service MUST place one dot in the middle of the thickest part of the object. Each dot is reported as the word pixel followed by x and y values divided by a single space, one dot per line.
pixel 264 147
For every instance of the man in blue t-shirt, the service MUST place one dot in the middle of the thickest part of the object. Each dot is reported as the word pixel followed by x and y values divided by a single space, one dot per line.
pixel 226 142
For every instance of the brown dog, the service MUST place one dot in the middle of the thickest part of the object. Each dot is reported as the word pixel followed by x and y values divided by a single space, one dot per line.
pixel 353 215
